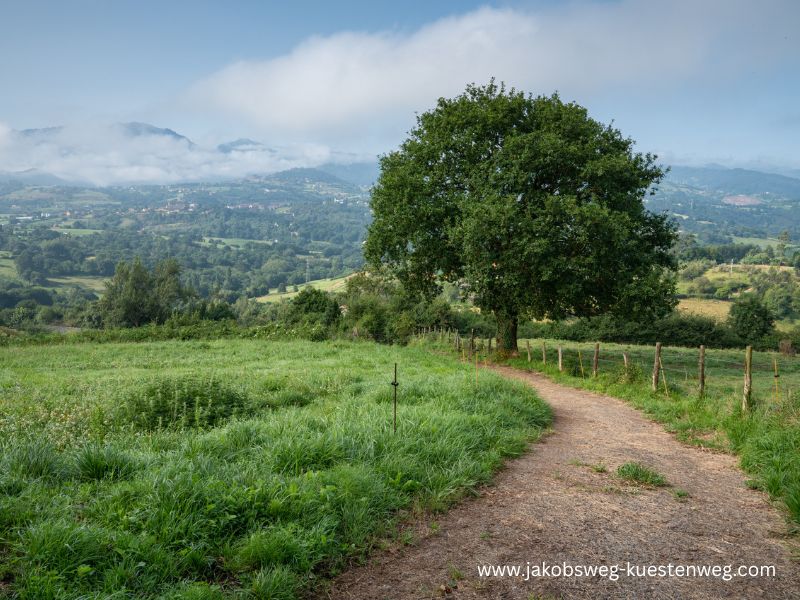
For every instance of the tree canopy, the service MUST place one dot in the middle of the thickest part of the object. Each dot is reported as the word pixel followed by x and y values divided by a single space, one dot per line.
pixel 750 318
pixel 533 205
pixel 135 296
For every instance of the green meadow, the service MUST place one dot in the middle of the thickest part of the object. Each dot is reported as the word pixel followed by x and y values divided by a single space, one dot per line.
pixel 232 468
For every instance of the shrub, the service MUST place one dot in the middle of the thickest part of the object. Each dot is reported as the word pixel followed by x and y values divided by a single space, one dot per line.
pixel 180 402
pixel 750 318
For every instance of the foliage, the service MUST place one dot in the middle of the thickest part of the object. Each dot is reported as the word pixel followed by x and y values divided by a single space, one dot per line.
pixel 535 205
pixel 180 402
pixel 135 296
pixel 750 319
pixel 315 305
pixel 676 329
pixel 245 237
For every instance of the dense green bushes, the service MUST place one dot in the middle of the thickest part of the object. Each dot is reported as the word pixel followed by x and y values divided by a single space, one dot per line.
pixel 673 330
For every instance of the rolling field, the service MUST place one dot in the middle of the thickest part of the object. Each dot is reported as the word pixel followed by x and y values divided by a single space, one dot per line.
pixel 76 232
pixel 231 469
pixel 95 284
pixel 232 242
pixel 7 268
pixel 326 285
pixel 716 309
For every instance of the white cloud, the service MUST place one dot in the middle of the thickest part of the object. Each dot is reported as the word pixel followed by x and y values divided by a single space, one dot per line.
pixel 358 91
pixel 5 134
pixel 347 81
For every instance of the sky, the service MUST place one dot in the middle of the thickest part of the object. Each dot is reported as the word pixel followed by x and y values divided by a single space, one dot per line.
pixel 696 81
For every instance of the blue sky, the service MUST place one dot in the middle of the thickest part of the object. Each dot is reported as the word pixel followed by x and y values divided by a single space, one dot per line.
pixel 701 81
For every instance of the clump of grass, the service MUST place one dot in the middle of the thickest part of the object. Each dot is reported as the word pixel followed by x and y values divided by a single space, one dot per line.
pixel 629 374
pixel 97 462
pixel 641 474
pixel 182 402
pixel 275 583
pixel 36 459
pixel 680 494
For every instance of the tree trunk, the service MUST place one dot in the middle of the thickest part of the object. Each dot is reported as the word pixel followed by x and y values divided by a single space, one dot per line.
pixel 507 335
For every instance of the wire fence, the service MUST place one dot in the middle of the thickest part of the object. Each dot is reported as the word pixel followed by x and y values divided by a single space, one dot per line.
pixel 770 376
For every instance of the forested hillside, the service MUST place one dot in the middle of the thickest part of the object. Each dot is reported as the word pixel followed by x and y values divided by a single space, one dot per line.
pixel 231 239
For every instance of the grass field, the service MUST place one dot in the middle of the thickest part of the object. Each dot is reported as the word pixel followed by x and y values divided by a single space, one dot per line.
pixel 740 275
pixel 716 309
pixel 76 232
pixel 764 242
pixel 96 284
pixel 7 268
pixel 232 242
pixel 88 282
pixel 767 437
pixel 231 469
pixel 327 285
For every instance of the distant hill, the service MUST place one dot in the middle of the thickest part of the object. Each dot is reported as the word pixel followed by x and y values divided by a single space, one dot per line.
pixel 136 129
pixel 300 176
pixel 31 177
pixel 717 202
pixel 363 174
pixel 736 181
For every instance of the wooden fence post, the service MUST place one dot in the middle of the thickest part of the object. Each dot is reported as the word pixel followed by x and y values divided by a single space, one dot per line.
pixel 701 375
pixel 528 347
pixel 656 366
pixel 625 360
pixel 560 359
pixel 663 376
pixel 748 379
pixel 596 359
pixel 580 362
pixel 777 386
pixel 471 342
pixel 544 353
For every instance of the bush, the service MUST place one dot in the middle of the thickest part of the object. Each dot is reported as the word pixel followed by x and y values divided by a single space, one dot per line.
pixel 750 319
pixel 675 329
pixel 181 402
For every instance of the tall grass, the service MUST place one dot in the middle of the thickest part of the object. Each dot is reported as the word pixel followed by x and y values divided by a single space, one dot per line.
pixel 233 468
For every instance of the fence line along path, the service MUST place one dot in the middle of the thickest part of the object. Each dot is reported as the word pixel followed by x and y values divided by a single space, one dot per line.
pixel 561 502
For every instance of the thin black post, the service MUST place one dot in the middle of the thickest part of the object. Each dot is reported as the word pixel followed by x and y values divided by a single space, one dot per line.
pixel 394 385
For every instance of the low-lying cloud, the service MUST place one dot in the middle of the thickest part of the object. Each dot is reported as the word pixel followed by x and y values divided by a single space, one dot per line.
pixel 110 154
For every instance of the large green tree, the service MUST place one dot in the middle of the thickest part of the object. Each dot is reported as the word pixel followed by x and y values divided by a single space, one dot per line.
pixel 534 205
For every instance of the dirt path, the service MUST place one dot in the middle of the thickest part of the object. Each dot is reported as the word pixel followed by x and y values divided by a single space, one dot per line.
pixel 550 505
